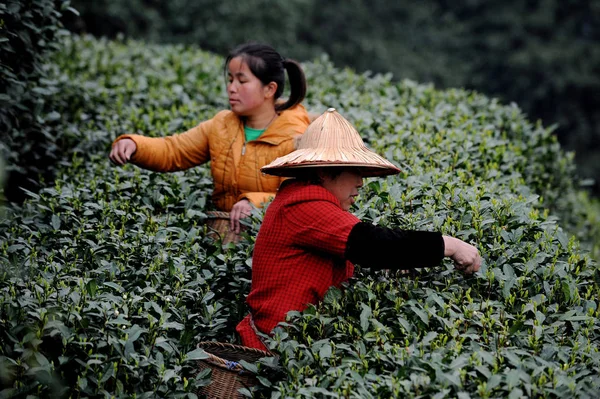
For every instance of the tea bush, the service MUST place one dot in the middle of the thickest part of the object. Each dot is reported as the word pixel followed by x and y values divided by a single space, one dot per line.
pixel 109 279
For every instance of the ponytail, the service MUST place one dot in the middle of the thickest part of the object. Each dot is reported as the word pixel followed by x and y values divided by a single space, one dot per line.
pixel 297 85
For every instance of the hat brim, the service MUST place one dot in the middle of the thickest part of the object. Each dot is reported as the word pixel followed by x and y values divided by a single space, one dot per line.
pixel 366 170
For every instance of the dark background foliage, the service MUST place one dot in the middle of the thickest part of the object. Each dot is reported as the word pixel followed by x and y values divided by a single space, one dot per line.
pixel 30 30
pixel 542 54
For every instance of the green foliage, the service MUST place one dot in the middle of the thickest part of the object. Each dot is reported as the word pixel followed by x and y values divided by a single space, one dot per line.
pixel 528 54
pixel 31 31
pixel 109 280
pixel 114 282
pixel 541 54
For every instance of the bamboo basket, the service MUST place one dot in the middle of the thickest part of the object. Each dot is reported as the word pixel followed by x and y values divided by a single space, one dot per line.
pixel 228 375
pixel 218 223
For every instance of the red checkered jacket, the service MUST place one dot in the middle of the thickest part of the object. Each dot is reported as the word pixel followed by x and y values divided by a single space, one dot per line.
pixel 302 249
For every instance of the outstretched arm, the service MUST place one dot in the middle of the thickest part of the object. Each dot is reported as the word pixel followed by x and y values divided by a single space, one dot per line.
pixel 383 248
pixel 164 154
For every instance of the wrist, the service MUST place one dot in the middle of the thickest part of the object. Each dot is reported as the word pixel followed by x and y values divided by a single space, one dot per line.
pixel 449 245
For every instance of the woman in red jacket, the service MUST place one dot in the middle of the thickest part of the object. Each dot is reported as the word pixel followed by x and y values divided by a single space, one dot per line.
pixel 308 241
pixel 238 142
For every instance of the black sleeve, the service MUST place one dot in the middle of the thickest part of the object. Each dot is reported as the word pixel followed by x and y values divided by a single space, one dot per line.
pixel 379 247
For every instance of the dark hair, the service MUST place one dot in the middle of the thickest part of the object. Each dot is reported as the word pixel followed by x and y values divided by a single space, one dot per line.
pixel 269 66
pixel 312 174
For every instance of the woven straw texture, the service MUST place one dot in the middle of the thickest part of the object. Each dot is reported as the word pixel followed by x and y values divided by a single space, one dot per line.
pixel 218 223
pixel 228 376
pixel 331 141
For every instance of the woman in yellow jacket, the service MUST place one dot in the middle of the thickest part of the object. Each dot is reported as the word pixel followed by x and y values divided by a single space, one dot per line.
pixel 257 130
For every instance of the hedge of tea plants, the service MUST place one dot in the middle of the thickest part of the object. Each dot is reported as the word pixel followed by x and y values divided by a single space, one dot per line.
pixel 109 278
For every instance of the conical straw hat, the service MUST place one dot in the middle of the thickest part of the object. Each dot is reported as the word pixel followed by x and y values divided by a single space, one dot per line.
pixel 330 140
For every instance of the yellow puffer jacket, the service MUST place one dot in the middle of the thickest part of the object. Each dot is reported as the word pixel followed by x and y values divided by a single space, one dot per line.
pixel 235 164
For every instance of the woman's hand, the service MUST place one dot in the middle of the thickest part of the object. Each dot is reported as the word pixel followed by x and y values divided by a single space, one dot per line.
pixel 465 256
pixel 240 210
pixel 122 151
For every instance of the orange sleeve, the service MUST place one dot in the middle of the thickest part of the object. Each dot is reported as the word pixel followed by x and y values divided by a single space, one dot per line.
pixel 172 153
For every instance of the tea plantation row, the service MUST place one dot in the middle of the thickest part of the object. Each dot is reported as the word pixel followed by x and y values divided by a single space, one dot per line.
pixel 109 280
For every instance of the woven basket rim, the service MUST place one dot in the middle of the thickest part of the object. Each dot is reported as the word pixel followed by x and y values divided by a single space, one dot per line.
pixel 217 214
pixel 229 364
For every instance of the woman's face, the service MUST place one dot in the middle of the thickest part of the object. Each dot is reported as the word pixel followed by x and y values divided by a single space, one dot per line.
pixel 344 186
pixel 247 94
